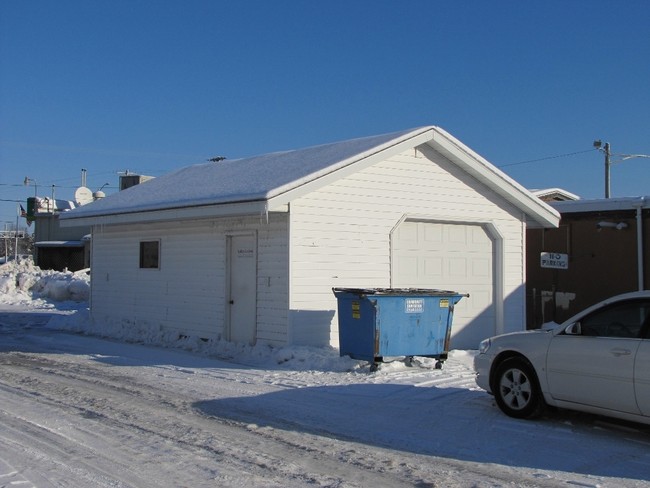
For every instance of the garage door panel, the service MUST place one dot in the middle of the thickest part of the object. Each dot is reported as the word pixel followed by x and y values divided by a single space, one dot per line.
pixel 457 267
pixel 456 234
pixel 482 268
pixel 480 300
pixel 408 233
pixel 433 235
pixel 479 236
pixel 433 269
pixel 407 265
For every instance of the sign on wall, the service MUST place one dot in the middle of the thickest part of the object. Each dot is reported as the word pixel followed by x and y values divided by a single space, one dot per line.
pixel 554 260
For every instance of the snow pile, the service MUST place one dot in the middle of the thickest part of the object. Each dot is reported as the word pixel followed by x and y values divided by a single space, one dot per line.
pixel 22 280
pixel 25 284
pixel 301 358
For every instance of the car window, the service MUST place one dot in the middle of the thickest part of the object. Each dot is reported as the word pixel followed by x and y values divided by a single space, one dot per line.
pixel 619 320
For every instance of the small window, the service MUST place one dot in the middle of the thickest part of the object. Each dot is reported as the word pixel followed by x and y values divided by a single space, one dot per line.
pixel 150 254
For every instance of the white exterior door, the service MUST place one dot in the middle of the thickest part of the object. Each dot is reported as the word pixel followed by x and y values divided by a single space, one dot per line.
pixel 447 256
pixel 242 290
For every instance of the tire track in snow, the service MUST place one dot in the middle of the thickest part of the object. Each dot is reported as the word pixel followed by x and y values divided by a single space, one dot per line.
pixel 95 407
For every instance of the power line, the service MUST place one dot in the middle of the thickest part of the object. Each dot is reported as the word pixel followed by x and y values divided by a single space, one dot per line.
pixel 547 158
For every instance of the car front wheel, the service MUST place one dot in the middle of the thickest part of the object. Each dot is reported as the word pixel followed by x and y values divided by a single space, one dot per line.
pixel 517 391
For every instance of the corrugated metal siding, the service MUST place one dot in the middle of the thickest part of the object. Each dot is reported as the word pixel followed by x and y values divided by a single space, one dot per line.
pixel 187 293
pixel 341 233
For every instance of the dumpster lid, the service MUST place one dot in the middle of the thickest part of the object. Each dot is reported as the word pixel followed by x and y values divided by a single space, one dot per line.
pixel 398 291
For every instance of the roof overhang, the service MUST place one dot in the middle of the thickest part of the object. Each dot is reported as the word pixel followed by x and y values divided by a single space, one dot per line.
pixel 198 212
pixel 59 244
pixel 602 205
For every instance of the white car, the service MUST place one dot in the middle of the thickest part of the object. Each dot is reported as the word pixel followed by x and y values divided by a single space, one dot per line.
pixel 598 361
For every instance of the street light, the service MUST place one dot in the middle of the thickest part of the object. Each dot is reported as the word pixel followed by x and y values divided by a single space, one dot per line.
pixel 607 150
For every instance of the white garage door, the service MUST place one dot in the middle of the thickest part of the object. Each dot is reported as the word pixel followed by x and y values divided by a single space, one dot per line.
pixel 458 257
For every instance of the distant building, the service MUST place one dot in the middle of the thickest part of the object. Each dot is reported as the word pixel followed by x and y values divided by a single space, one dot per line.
pixel 554 195
pixel 127 180
pixel 55 247
pixel 60 248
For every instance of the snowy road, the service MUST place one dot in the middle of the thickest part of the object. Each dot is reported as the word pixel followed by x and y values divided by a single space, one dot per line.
pixel 79 411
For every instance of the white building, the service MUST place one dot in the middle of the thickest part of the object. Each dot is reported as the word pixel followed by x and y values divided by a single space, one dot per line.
pixel 249 250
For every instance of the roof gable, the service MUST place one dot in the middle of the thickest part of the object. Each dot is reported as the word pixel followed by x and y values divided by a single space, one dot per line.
pixel 264 182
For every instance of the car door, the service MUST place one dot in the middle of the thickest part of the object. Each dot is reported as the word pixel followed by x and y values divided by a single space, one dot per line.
pixel 642 372
pixel 593 363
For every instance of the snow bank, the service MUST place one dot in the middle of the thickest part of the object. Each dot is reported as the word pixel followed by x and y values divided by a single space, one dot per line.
pixel 299 358
pixel 22 280
pixel 25 284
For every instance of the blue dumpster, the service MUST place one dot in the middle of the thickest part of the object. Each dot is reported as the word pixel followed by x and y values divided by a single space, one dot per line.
pixel 381 322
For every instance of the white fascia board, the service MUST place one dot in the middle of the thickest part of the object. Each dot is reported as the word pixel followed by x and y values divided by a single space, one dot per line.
pixel 475 165
pixel 186 213
pixel 349 167
pixel 601 205
pixel 550 191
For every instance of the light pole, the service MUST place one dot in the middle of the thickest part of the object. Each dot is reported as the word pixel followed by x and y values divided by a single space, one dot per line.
pixel 607 150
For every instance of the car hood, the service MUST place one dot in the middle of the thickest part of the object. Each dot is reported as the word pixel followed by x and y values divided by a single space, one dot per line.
pixel 523 333
pixel 524 341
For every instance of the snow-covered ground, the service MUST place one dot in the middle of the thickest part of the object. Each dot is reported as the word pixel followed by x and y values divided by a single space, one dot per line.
pixel 81 410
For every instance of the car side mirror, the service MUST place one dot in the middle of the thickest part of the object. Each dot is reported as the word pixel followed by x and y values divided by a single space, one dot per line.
pixel 573 329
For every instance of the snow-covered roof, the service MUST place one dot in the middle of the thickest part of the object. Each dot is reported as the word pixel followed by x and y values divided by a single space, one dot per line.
pixel 268 182
pixel 554 194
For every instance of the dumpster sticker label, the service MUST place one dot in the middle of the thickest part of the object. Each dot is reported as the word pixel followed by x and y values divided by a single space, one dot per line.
pixel 356 310
pixel 414 305
pixel 444 303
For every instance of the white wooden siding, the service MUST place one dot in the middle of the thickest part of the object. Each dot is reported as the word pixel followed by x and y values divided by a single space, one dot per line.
pixel 340 234
pixel 187 294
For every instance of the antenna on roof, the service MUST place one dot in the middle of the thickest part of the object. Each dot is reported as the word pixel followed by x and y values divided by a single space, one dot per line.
pixel 216 159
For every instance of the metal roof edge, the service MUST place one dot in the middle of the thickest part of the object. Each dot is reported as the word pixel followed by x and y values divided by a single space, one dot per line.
pixel 602 204
pixel 197 212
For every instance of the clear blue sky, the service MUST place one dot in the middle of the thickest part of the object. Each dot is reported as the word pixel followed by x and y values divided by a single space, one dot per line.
pixel 151 86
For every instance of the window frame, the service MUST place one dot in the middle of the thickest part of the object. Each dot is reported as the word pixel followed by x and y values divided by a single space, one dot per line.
pixel 146 258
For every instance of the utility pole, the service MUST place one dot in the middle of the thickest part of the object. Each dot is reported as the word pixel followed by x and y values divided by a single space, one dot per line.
pixel 607 149
pixel 608 165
